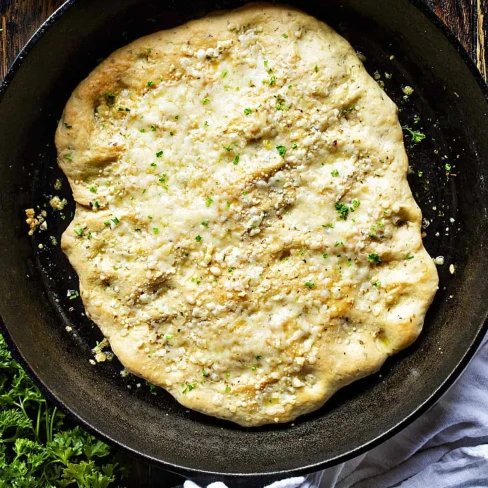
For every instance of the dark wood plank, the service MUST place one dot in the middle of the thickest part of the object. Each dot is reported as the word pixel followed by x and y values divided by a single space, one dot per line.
pixel 19 20
pixel 468 19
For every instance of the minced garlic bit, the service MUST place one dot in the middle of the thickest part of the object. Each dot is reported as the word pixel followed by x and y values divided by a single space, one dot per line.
pixel 408 90
pixel 101 355
pixel 452 269
pixel 439 260
pixel 57 203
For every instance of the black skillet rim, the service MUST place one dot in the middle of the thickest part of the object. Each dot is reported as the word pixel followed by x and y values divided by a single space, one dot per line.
pixel 434 397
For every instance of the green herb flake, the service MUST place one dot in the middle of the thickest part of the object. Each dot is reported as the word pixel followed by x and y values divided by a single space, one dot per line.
pixel 68 126
pixel 409 256
pixel 115 220
pixel 224 74
pixel 206 101
pixel 342 210
pixel 205 224
pixel 96 204
pixel 374 258
pixel 153 165
pixel 208 202
pixel 155 230
pixel 159 154
pixel 205 373
pixel 79 232
pixel 294 146
pixel 309 284
pixel 150 83
pixel 325 255
pixel 377 284
pixel 316 69
pixel 68 157
pixel 227 148
pixel 142 130
pixel 356 203
pixel 335 173
pixel 281 150
pixel 285 36
pixel 236 160
pixel 447 167
pixel 106 223
pixel 198 238
pixel 232 268
pixel 416 136
pixel 257 358
pixel 93 189
pixel 228 388
pixel 248 111
pixel 272 80
pixel 153 128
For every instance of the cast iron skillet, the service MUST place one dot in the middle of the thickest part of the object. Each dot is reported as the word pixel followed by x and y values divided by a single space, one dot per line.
pixel 450 100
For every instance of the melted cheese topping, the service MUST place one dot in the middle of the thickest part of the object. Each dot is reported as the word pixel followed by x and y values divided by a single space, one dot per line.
pixel 245 236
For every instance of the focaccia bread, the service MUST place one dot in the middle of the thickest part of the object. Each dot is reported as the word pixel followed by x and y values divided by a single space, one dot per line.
pixel 245 236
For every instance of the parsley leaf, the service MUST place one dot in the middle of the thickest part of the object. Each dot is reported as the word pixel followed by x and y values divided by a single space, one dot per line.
pixel 416 136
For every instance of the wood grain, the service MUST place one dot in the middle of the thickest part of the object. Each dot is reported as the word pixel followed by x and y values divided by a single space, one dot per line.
pixel 467 19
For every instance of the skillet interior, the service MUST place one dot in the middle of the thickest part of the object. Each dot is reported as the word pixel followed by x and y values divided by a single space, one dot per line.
pixel 452 108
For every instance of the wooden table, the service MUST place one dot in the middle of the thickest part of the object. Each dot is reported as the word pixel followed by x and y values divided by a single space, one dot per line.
pixel 19 19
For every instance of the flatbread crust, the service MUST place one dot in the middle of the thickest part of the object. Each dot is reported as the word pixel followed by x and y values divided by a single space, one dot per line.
pixel 244 235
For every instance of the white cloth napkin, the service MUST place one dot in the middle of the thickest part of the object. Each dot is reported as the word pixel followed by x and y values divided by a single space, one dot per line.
pixel 447 447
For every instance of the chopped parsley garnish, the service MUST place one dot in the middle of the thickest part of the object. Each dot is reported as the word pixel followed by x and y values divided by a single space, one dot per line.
pixel 338 243
pixel 247 111
pixel 227 148
pixel 374 258
pixel 96 204
pixel 177 117
pixel 159 154
pixel 285 36
pixel 93 189
pixel 343 210
pixel 68 157
pixel 150 83
pixel 272 80
pixel 110 97
pixel 205 373
pixel 408 256
pixel 228 388
pixel 153 128
pixel 335 173
pixel 416 136
pixel 79 232
pixel 316 69
pixel 206 101
pixel 281 150
pixel 208 202
pixel 257 358
pixel 142 130
pixel 325 255
pixel 356 203
pixel 198 238
pixel 224 74
pixel 236 159
pixel 377 284
pixel 168 337
pixel 348 110
pixel 68 126
pixel 163 178
pixel 115 220
pixel 155 230
pixel 106 223
pixel 447 167
pixel 205 224
pixel 309 284
pixel 74 295
pixel 153 165
pixel 294 146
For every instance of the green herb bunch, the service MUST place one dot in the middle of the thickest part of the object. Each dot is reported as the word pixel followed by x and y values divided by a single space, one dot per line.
pixel 38 447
